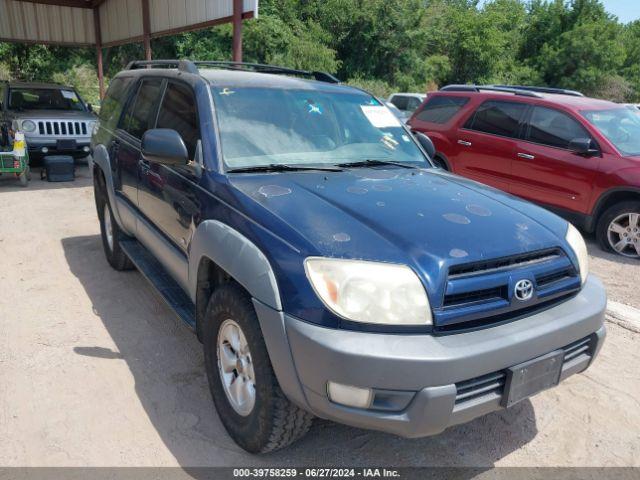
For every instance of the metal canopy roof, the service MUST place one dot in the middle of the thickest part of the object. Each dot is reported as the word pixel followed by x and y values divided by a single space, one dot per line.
pixel 106 23
pixel 71 22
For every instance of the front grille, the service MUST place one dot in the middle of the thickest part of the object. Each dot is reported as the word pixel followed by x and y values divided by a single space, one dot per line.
pixel 474 297
pixel 481 294
pixel 62 128
pixel 553 278
pixel 491 386
pixel 491 266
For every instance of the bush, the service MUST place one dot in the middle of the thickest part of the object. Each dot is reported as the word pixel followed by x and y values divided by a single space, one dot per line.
pixel 84 79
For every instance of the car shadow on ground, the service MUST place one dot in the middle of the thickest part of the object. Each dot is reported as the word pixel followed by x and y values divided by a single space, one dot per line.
pixel 166 361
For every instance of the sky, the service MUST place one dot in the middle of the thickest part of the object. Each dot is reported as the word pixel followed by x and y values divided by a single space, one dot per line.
pixel 625 10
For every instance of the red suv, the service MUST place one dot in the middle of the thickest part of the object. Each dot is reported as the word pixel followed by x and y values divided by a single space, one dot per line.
pixel 576 156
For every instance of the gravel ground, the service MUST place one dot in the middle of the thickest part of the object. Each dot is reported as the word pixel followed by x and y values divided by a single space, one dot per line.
pixel 96 371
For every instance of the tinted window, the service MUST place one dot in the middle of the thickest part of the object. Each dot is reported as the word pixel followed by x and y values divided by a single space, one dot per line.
pixel 113 102
pixel 498 118
pixel 441 109
pixel 140 114
pixel 400 101
pixel 554 128
pixel 413 103
pixel 178 111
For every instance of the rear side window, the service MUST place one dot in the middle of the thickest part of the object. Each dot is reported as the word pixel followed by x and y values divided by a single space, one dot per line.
pixel 400 101
pixel 497 118
pixel 554 128
pixel 441 109
pixel 140 114
pixel 178 111
pixel 113 102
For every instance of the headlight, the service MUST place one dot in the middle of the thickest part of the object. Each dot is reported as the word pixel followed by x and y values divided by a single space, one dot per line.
pixel 370 292
pixel 28 126
pixel 574 237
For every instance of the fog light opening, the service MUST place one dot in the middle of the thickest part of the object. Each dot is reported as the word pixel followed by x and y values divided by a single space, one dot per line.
pixel 349 395
pixel 85 149
pixel 44 150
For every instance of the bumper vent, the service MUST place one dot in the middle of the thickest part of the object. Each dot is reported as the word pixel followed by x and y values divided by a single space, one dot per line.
pixel 490 387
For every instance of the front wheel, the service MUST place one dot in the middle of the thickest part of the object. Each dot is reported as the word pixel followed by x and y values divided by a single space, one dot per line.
pixel 618 229
pixel 245 391
pixel 110 231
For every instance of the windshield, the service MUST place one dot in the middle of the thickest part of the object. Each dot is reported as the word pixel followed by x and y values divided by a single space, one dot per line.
pixel 44 99
pixel 621 126
pixel 266 126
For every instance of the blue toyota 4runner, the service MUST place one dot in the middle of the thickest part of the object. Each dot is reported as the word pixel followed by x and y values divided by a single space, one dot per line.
pixel 327 267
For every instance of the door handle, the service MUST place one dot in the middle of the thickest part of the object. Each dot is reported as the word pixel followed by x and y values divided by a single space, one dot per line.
pixel 464 143
pixel 526 156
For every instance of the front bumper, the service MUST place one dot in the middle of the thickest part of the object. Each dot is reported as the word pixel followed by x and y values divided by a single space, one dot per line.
pixel 35 145
pixel 427 367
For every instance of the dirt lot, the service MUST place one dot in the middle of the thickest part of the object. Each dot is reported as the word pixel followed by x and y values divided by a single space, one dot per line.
pixel 95 370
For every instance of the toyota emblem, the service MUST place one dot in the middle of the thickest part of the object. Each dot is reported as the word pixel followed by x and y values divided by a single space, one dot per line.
pixel 523 290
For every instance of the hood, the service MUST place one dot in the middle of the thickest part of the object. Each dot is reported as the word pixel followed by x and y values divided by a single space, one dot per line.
pixel 53 115
pixel 425 218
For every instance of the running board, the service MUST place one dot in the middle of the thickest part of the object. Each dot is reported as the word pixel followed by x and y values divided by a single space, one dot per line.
pixel 162 281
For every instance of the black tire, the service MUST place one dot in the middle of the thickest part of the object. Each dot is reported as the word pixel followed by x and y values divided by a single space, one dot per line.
pixel 605 220
pixel 114 253
pixel 274 422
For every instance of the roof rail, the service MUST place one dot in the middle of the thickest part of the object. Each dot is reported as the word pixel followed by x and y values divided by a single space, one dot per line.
pixel 192 67
pixel 492 88
pixel 559 91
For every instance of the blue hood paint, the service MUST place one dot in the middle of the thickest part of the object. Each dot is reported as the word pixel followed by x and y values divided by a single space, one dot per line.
pixel 424 218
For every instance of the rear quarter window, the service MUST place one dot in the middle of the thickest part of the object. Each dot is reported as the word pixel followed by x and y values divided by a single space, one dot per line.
pixel 441 109
pixel 498 118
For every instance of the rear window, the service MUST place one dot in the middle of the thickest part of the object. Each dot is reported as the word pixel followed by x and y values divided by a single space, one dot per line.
pixel 441 109
pixel 497 118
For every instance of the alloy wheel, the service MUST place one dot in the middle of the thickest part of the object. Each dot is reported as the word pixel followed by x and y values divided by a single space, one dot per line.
pixel 235 367
pixel 624 234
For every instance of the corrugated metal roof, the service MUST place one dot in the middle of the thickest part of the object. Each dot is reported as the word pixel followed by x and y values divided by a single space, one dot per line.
pixel 40 23
pixel 120 20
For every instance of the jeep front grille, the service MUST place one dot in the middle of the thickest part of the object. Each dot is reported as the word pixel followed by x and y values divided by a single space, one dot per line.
pixel 62 128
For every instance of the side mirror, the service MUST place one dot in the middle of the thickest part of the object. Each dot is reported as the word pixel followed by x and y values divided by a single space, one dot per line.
pixel 165 146
pixel 582 146
pixel 426 144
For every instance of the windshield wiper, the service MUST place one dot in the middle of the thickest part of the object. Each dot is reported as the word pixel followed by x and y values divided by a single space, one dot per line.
pixel 282 167
pixel 369 163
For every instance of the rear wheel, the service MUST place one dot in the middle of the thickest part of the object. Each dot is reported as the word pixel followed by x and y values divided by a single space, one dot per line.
pixel 244 388
pixel 110 231
pixel 618 229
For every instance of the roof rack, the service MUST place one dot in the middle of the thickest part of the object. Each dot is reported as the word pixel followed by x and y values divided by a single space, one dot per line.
pixel 515 89
pixel 558 91
pixel 192 67
pixel 492 88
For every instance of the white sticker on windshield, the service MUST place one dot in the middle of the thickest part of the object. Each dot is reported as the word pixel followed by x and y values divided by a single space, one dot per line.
pixel 69 95
pixel 379 116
